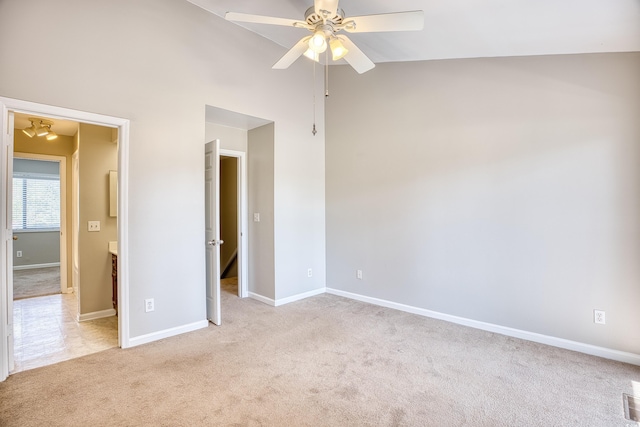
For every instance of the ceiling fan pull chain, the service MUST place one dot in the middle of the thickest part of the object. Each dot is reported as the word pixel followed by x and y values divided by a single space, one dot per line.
pixel 326 73
pixel 314 131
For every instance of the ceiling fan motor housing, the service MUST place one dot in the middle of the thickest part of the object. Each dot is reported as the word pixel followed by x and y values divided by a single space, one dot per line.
pixel 312 18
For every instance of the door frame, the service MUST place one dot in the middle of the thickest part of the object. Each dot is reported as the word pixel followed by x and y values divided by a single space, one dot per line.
pixel 62 161
pixel 242 209
pixel 8 105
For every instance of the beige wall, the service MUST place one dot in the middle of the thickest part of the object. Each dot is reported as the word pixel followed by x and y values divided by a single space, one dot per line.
pixel 228 212
pixel 61 146
pixel 502 190
pixel 97 156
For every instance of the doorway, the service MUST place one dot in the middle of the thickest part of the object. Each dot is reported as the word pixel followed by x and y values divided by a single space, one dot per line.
pixel 233 221
pixel 39 224
pixel 50 327
pixel 225 218
pixel 9 107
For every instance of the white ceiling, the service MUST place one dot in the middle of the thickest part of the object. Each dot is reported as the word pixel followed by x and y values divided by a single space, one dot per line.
pixel 467 28
pixel 232 119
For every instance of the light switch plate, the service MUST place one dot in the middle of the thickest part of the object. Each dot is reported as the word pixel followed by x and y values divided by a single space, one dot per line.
pixel 94 226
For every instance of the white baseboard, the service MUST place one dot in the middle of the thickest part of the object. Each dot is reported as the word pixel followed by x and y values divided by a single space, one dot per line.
pixel 593 350
pixel 155 336
pixel 283 301
pixel 262 299
pixel 32 266
pixel 96 315
pixel 298 297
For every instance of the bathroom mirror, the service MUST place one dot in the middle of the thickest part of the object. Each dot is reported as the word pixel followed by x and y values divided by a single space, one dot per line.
pixel 113 193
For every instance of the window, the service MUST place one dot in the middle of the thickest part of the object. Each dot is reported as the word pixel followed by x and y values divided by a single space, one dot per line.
pixel 36 201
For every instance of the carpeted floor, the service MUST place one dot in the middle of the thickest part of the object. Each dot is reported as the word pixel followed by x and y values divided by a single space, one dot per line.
pixel 324 361
pixel 36 282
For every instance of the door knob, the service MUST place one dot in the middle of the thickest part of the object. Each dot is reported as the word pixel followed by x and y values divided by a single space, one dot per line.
pixel 15 237
pixel 215 242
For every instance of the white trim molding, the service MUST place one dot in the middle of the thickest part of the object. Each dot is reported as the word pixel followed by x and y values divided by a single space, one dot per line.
pixel 283 301
pixel 155 336
pixel 96 315
pixel 262 299
pixel 593 350
pixel 298 297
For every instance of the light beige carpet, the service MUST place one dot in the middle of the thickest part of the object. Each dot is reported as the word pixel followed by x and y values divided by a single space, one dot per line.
pixel 324 361
pixel 36 282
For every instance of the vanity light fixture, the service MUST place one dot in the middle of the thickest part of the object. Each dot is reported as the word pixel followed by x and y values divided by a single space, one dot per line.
pixel 30 131
pixel 42 128
pixel 51 135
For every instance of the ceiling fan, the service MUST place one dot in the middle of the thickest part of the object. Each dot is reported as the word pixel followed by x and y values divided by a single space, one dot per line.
pixel 325 21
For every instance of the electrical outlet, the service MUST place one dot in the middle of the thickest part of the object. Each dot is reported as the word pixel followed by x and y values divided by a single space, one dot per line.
pixel 309 273
pixel 598 317
pixel 94 226
pixel 19 254
pixel 148 305
pixel 359 274
pixel 256 217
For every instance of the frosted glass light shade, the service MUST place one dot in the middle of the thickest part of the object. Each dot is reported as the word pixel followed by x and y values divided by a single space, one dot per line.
pixel 314 56
pixel 318 42
pixel 338 51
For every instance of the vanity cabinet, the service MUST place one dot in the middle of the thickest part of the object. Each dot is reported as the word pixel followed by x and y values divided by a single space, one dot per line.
pixel 114 282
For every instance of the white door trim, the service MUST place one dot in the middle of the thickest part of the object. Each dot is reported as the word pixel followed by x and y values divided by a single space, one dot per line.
pixel 243 265
pixel 212 229
pixel 6 245
pixel 64 286
pixel 16 105
pixel 75 228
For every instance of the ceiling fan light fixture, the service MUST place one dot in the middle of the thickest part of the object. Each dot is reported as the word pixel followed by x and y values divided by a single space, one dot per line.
pixel 338 51
pixel 318 42
pixel 314 56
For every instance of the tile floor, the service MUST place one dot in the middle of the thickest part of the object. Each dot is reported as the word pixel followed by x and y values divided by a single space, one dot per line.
pixel 46 332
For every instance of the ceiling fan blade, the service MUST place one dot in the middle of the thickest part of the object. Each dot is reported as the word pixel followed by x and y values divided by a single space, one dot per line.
pixel 294 53
pixel 331 6
pixel 259 19
pixel 401 21
pixel 355 57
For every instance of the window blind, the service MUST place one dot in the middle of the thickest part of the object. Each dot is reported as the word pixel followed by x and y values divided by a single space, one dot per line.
pixel 36 202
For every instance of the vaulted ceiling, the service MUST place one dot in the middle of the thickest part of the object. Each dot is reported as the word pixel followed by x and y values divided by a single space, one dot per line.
pixel 467 28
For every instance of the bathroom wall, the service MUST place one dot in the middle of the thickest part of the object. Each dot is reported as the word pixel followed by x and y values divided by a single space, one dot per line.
pixel 97 156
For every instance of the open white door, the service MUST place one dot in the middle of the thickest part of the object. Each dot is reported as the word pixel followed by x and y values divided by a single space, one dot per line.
pixel 7 283
pixel 212 229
